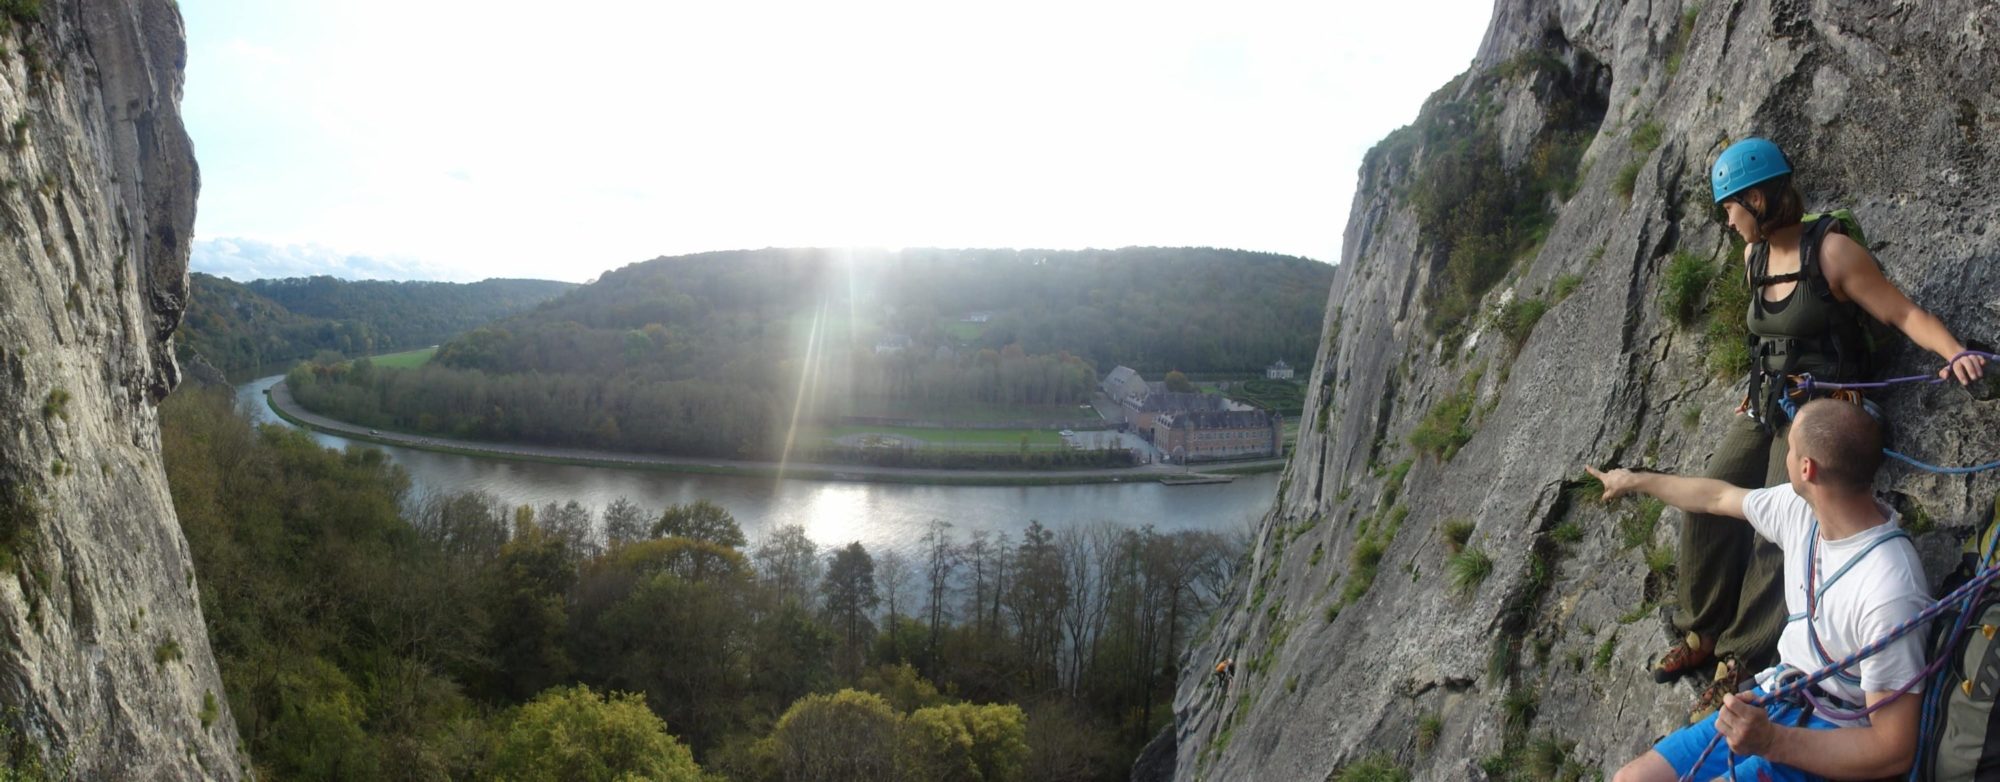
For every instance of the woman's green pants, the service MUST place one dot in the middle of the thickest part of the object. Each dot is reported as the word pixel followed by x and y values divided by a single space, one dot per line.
pixel 1730 579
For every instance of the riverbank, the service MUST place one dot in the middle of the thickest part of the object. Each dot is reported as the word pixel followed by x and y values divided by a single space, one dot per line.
pixel 278 397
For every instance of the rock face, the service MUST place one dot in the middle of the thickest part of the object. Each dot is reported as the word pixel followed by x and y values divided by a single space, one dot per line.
pixel 1538 669
pixel 105 663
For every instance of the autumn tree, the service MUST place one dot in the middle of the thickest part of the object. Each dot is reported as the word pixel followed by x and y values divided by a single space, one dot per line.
pixel 849 596
pixel 572 733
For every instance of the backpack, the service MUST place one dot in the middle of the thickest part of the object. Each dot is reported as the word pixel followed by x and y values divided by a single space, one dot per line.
pixel 1961 713
pixel 1860 346
pixel 1866 344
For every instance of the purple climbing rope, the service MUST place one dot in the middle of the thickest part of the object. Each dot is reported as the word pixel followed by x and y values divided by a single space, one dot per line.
pixel 1807 384
pixel 1801 685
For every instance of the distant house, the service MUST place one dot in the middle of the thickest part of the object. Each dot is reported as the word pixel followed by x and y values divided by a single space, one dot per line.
pixel 1278 371
pixel 977 317
pixel 1122 384
pixel 1204 435
pixel 893 343
pixel 1141 413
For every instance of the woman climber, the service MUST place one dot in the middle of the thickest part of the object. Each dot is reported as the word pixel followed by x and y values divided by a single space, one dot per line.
pixel 1811 287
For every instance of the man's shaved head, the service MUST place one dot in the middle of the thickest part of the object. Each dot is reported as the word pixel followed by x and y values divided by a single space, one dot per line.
pixel 1843 439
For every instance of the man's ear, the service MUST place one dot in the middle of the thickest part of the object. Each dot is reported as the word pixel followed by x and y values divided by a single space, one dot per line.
pixel 1808 469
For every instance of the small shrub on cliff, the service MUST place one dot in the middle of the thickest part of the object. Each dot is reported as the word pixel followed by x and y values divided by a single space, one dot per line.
pixel 1468 569
pixel 1661 559
pixel 1547 758
pixel 1636 529
pixel 1445 428
pixel 1429 728
pixel 1728 349
pixel 168 651
pixel 1456 532
pixel 1682 286
pixel 1586 489
pixel 1602 660
pixel 1564 286
pixel 1628 179
pixel 21 10
pixel 57 404
pixel 1374 768
pixel 1521 706
pixel 1646 138
pixel 1516 319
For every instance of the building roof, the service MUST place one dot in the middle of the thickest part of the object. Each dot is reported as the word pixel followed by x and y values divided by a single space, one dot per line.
pixel 1180 402
pixel 1204 419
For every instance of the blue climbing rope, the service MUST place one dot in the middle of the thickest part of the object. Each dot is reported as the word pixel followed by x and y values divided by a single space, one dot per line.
pixel 1804 385
pixel 1942 470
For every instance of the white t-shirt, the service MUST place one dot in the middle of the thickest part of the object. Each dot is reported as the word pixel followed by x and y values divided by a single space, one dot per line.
pixel 1883 589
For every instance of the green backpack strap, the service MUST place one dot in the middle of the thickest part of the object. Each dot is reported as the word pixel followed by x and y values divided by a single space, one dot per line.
pixel 1849 224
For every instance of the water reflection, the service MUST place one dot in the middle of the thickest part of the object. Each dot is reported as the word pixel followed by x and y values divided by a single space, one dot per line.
pixel 879 515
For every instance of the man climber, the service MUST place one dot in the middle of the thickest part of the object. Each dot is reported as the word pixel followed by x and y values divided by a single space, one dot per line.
pixel 1225 670
pixel 1850 576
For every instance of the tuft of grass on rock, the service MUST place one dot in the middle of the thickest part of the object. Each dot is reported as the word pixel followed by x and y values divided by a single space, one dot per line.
pixel 1661 559
pixel 1456 532
pixel 1646 138
pixel 167 651
pixel 1564 286
pixel 1586 489
pixel 1468 568
pixel 1374 768
pixel 1636 529
pixel 1686 279
pixel 1627 179
pixel 1429 728
pixel 1602 660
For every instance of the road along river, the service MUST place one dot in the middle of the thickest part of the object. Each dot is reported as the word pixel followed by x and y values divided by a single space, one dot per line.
pixel 881 516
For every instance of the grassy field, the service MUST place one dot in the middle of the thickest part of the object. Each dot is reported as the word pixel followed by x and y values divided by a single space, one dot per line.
pixel 967 412
pixel 955 439
pixel 407 359
pixel 961 330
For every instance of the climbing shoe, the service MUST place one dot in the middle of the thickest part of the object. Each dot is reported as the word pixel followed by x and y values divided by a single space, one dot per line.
pixel 1685 656
pixel 1729 678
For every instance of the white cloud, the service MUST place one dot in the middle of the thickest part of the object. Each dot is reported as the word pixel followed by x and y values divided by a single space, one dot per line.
pixel 245 259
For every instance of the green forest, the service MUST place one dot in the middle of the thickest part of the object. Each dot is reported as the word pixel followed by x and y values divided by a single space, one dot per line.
pixel 266 325
pixel 716 354
pixel 364 633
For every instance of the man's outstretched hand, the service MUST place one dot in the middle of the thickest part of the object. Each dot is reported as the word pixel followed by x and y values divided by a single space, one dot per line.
pixel 1617 482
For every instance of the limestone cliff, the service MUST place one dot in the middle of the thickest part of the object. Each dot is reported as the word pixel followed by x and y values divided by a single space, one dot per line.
pixel 1440 405
pixel 105 664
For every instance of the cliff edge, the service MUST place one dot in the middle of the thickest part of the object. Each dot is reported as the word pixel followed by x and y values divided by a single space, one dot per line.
pixel 105 667
pixel 1533 279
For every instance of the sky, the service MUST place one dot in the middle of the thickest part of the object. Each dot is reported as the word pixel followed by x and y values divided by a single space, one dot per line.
pixel 418 139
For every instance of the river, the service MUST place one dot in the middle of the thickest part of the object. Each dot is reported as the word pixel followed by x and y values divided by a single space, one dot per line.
pixel 882 516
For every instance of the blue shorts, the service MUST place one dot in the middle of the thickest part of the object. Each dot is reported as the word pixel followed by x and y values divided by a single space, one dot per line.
pixel 1683 747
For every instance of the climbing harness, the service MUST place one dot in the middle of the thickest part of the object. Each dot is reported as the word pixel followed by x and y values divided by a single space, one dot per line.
pixel 1800 686
pixel 1792 683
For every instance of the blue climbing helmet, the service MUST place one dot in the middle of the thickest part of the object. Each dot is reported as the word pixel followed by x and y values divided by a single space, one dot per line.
pixel 1746 163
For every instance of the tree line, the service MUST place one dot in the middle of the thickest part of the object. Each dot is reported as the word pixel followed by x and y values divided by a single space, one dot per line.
pixel 363 633
pixel 243 328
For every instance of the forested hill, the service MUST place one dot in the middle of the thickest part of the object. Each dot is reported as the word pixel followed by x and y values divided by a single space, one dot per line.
pixel 1199 310
pixel 242 327
pixel 714 354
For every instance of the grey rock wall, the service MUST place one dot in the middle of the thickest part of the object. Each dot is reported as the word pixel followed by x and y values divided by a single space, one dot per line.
pixel 1888 108
pixel 104 658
